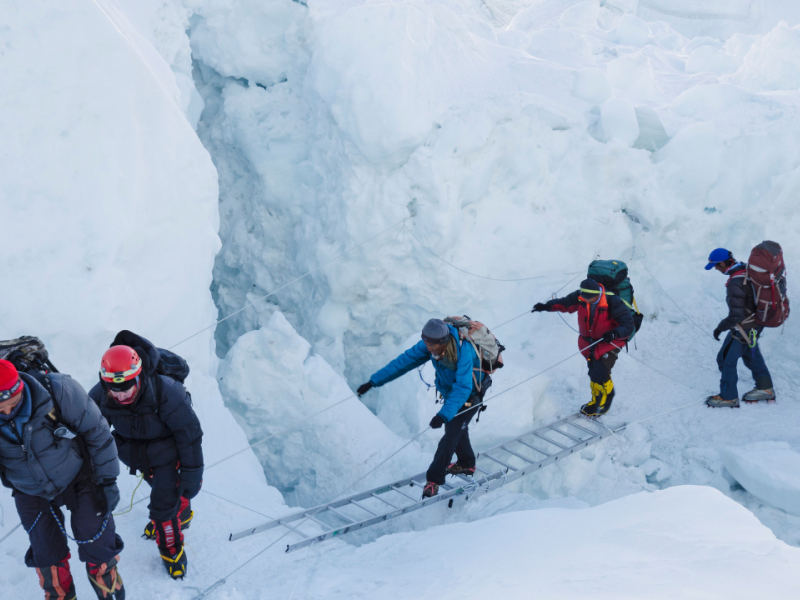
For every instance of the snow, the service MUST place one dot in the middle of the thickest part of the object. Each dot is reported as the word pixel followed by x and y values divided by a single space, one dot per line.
pixel 768 470
pixel 510 139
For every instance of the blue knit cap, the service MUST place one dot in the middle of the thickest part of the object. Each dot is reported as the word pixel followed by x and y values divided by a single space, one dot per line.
pixel 435 331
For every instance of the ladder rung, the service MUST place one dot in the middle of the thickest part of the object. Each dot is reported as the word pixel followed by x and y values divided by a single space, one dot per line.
pixel 374 495
pixel 525 458
pixel 574 424
pixel 324 526
pixel 477 468
pixel 500 462
pixel 364 508
pixel 399 491
pixel 551 441
pixel 532 447
pixel 565 434
pixel 343 516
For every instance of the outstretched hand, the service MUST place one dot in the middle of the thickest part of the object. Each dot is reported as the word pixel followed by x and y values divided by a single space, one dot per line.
pixel 540 307
pixel 363 388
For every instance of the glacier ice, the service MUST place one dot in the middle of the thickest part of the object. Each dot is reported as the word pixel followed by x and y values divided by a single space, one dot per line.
pixel 768 470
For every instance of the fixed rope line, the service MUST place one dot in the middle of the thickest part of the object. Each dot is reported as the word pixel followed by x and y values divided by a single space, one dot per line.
pixel 664 412
pixel 464 270
pixel 685 314
pixel 282 431
pixel 293 281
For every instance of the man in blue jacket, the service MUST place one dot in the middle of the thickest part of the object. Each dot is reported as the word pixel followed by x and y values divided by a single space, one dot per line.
pixel 461 383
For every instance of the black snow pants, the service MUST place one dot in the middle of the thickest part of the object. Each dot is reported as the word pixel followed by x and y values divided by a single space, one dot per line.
pixel 455 439
pixel 165 502
pixel 48 543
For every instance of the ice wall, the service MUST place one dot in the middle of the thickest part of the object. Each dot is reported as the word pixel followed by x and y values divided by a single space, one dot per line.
pixel 109 206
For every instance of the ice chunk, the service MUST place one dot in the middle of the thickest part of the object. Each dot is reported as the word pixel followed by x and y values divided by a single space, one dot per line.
pixel 591 85
pixel 632 31
pixel 652 134
pixel 768 470
pixel 773 63
pixel 633 74
pixel 705 101
pixel 708 59
pixel 583 15
pixel 270 381
pixel 619 121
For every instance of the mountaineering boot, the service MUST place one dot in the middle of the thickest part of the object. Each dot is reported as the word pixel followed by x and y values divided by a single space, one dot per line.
pixel 757 395
pixel 590 408
pixel 430 490
pixel 605 400
pixel 719 402
pixel 170 544
pixel 457 469
pixel 56 581
pixel 185 514
pixel 106 581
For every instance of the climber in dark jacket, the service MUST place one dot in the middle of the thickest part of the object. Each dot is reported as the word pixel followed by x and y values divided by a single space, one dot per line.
pixel 42 419
pixel 741 341
pixel 461 382
pixel 604 322
pixel 157 434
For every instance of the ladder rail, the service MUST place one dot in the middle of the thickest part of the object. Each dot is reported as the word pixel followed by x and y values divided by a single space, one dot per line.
pixel 459 489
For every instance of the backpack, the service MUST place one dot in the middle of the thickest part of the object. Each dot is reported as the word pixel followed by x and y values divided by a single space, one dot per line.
pixel 483 341
pixel 169 363
pixel 28 354
pixel 613 276
pixel 766 273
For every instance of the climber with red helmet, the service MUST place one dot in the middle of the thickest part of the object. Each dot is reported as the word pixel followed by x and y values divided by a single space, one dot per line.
pixel 157 432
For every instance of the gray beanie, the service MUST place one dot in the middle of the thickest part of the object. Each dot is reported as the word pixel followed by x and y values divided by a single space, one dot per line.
pixel 435 331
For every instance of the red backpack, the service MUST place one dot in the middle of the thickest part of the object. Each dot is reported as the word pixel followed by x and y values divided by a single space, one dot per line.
pixel 766 273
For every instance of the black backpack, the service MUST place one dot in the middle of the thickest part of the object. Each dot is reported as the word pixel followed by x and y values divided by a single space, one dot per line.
pixel 169 363
pixel 27 354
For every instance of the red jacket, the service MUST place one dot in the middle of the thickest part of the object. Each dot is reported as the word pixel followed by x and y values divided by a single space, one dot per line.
pixel 608 314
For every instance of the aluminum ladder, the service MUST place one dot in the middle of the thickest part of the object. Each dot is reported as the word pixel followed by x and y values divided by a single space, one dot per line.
pixel 495 467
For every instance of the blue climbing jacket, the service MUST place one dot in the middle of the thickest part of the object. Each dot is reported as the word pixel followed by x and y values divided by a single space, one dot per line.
pixel 455 386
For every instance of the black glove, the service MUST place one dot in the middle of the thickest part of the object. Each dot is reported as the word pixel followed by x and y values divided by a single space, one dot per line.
pixel 717 333
pixel 191 481
pixel 437 422
pixel 363 388
pixel 610 336
pixel 540 307
pixel 107 496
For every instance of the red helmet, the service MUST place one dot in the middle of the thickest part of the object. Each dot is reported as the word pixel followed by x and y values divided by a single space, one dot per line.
pixel 120 367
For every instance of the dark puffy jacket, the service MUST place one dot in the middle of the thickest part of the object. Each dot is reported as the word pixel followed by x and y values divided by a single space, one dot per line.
pixel 44 465
pixel 741 303
pixel 609 314
pixel 160 427
pixel 456 383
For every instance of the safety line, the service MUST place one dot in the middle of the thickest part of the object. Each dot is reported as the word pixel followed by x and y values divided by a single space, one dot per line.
pixel 464 270
pixel 293 281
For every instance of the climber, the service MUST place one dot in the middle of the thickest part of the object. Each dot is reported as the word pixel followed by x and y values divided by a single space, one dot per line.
pixel 604 323
pixel 56 450
pixel 739 338
pixel 462 385
pixel 141 394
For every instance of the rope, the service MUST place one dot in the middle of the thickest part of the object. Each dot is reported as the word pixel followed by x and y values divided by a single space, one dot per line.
pixel 293 281
pixel 130 508
pixel 661 413
pixel 465 271
pixel 237 504
pixel 678 306
pixel 282 431
pixel 79 542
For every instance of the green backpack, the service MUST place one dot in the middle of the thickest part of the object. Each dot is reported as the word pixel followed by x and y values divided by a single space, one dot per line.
pixel 613 275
